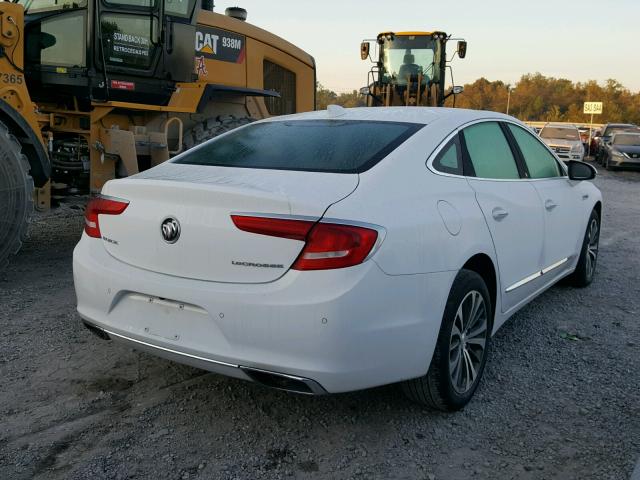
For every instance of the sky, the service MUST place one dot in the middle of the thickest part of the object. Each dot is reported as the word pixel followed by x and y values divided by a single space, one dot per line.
pixel 578 40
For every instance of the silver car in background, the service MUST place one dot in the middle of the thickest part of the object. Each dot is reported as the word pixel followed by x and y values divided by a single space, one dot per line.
pixel 564 140
pixel 622 151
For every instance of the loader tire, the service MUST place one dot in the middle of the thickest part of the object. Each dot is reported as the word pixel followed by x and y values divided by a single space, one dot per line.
pixel 16 195
pixel 212 127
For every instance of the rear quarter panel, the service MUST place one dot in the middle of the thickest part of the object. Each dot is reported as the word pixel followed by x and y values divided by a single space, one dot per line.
pixel 402 195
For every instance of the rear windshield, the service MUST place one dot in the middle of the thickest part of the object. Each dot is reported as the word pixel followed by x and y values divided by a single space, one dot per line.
pixel 337 146
pixel 560 133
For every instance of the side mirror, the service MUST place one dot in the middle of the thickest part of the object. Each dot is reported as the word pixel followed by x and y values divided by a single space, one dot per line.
pixel 365 91
pixel 364 50
pixel 581 170
pixel 462 48
pixel 455 90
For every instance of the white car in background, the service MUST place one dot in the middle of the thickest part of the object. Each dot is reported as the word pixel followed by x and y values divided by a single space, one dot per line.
pixel 564 140
pixel 339 250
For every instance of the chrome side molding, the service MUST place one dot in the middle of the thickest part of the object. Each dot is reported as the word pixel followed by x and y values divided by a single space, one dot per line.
pixel 535 275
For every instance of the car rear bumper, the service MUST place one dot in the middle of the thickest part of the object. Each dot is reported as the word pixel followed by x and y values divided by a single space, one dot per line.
pixel 271 379
pixel 324 331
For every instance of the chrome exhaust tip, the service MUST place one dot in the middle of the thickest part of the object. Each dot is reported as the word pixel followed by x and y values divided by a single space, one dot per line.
pixel 282 381
pixel 98 332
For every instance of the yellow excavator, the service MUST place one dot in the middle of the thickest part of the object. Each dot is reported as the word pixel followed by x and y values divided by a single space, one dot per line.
pixel 409 68
pixel 92 90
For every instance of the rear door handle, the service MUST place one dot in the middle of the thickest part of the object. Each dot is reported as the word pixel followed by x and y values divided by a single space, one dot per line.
pixel 499 213
pixel 550 205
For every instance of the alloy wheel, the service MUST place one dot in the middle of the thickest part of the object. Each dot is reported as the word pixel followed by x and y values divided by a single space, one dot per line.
pixel 593 238
pixel 467 344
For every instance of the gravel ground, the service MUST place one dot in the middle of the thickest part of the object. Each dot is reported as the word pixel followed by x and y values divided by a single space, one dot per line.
pixel 560 398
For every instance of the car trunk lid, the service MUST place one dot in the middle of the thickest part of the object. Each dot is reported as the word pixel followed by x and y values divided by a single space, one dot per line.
pixel 202 199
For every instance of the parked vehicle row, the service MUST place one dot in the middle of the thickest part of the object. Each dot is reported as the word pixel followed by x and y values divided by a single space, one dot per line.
pixel 616 145
pixel 339 250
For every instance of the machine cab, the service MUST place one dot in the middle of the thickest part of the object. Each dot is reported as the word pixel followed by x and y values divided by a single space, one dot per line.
pixel 409 68
pixel 124 50
pixel 409 58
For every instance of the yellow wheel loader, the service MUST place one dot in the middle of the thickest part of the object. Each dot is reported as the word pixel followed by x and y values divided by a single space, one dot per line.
pixel 410 69
pixel 92 90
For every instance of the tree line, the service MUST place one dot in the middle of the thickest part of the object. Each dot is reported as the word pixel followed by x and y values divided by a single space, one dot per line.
pixel 325 97
pixel 534 97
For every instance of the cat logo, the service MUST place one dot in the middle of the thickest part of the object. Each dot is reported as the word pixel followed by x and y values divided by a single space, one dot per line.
pixel 222 45
pixel 207 43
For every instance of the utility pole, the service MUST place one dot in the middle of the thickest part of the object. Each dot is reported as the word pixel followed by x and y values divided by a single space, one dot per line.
pixel 590 129
pixel 593 108
pixel 508 97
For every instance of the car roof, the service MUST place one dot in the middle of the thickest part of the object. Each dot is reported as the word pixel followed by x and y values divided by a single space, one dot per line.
pixel 561 125
pixel 420 115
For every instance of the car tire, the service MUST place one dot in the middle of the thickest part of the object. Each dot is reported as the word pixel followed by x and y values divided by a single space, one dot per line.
pixel 462 343
pixel 586 268
pixel 16 195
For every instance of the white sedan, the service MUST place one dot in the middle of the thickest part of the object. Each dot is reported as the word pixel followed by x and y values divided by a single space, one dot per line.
pixel 339 250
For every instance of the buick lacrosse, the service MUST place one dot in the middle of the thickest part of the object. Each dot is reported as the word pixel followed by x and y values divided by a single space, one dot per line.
pixel 339 250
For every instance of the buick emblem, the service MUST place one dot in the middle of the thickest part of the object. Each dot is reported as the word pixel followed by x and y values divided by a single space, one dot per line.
pixel 170 229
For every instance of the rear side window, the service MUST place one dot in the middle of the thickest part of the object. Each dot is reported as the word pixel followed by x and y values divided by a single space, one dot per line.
pixel 540 162
pixel 489 151
pixel 338 146
pixel 449 160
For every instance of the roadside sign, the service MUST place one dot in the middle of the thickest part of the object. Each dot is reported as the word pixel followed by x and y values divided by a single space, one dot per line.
pixel 593 108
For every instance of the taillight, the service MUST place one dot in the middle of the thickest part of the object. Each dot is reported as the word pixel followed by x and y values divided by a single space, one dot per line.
pixel 101 205
pixel 327 245
pixel 274 227
pixel 332 245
